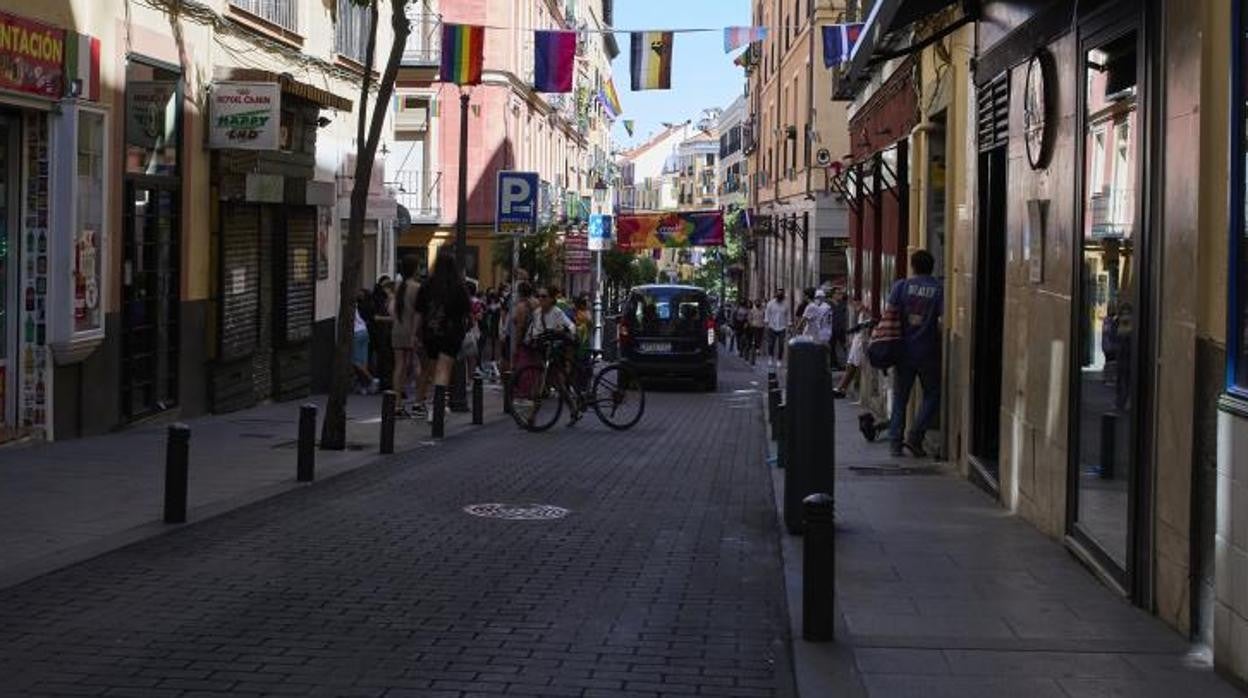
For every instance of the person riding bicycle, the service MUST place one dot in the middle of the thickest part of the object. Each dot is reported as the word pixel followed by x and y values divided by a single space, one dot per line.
pixel 551 324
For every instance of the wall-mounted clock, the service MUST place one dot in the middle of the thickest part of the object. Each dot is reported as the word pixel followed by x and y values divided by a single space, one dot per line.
pixel 1038 109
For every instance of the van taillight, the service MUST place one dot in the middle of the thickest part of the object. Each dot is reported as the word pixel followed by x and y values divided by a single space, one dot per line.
pixel 710 332
pixel 622 336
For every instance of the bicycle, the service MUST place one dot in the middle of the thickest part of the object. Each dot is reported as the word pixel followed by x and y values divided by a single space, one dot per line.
pixel 539 391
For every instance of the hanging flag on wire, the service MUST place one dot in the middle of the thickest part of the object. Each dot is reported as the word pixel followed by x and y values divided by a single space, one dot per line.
pixel 629 124
pixel 838 42
pixel 736 37
pixel 554 61
pixel 652 60
pixel 463 52
pixel 610 100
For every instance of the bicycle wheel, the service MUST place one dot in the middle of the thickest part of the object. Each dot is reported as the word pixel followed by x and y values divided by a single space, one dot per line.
pixel 535 401
pixel 619 400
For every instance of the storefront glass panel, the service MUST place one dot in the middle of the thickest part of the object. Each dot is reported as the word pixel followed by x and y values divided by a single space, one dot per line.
pixel 1107 350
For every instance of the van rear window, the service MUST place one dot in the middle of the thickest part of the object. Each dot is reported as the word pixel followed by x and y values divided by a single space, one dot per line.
pixel 671 311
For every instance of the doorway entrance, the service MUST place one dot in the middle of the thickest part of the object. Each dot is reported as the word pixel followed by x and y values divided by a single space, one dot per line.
pixel 10 224
pixel 1108 467
pixel 988 326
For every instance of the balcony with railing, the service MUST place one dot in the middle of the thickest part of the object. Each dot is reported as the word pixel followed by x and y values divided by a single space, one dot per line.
pixel 281 13
pixel 420 192
pixel 424 44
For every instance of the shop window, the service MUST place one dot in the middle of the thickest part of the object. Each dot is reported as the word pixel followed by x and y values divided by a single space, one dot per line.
pixel 88 233
pixel 152 119
pixel 1237 321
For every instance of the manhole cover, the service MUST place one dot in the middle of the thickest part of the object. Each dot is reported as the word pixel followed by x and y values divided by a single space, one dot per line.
pixel 516 512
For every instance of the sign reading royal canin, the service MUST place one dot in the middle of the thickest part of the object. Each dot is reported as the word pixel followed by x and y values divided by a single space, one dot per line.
pixel 32 57
pixel 245 115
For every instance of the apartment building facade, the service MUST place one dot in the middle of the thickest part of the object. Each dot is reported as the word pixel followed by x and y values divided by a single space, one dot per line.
pixel 173 175
pixel 796 140
pixel 565 138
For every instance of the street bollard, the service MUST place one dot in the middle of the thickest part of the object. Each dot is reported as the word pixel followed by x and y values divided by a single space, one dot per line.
pixel 478 401
pixel 810 462
pixel 177 456
pixel 388 400
pixel 819 568
pixel 305 468
pixel 782 444
pixel 439 411
pixel 773 399
pixel 506 378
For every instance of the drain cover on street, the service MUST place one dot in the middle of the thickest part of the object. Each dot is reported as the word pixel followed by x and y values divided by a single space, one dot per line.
pixel 516 512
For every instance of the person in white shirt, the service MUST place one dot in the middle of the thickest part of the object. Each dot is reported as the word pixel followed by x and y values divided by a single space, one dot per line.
pixel 816 320
pixel 549 318
pixel 777 318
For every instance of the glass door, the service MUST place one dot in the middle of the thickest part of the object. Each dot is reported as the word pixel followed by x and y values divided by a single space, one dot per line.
pixel 1106 458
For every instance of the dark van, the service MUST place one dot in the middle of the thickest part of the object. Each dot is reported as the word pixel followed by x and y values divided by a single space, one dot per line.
pixel 668 331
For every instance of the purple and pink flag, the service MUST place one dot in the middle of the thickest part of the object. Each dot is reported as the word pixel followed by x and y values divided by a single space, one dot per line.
pixel 554 61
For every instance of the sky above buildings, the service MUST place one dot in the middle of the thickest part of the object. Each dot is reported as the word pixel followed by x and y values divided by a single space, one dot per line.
pixel 703 75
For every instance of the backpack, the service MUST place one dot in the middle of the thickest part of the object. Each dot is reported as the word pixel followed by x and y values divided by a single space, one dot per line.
pixel 885 348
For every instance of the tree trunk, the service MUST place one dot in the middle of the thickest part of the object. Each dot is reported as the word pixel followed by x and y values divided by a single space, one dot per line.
pixel 334 428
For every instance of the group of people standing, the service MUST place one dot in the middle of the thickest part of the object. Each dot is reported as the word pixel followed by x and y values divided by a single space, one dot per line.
pixel 409 333
pixel 846 325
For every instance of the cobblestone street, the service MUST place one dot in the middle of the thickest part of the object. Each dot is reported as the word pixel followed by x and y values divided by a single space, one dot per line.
pixel 662 579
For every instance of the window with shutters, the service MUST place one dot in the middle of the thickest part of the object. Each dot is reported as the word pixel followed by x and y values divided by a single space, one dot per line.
pixel 283 13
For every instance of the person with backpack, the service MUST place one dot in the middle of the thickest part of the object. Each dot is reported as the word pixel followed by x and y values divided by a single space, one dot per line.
pixel 918 303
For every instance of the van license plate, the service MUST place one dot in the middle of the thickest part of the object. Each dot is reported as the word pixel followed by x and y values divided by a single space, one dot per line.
pixel 656 347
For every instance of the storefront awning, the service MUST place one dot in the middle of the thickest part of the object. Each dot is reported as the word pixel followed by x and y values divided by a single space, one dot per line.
pixel 289 86
pixel 881 30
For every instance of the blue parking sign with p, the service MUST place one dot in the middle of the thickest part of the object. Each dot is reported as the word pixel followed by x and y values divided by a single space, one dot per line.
pixel 517 200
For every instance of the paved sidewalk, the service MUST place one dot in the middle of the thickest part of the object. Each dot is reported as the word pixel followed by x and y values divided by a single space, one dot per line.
pixel 68 501
pixel 942 593
pixel 662 579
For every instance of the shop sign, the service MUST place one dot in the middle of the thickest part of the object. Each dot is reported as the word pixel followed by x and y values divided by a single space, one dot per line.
pixel 151 112
pixel 32 57
pixel 576 255
pixel 245 115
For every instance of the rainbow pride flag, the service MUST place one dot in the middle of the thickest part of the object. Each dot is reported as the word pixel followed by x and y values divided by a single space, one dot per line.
pixel 554 60
pixel 610 100
pixel 463 52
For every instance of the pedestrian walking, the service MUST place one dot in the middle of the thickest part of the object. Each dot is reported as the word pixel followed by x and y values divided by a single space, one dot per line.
pixel 918 302
pixel 403 338
pixel 365 383
pixel 758 326
pixel 380 327
pixel 816 319
pixel 741 326
pixel 777 318
pixel 444 314
pixel 840 326
pixel 859 333
pixel 493 319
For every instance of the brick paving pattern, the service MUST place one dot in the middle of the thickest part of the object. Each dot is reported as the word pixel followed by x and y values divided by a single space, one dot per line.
pixel 664 579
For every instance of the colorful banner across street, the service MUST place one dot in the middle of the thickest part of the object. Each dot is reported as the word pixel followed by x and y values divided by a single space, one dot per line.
pixel 641 231
pixel 838 43
pixel 463 52
pixel 554 61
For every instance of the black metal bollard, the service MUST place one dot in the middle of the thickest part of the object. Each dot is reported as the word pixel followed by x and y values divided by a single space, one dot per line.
pixel 819 568
pixel 388 401
pixel 305 468
pixel 773 399
pixel 782 444
pixel 177 457
pixel 478 401
pixel 506 378
pixel 810 461
pixel 439 411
